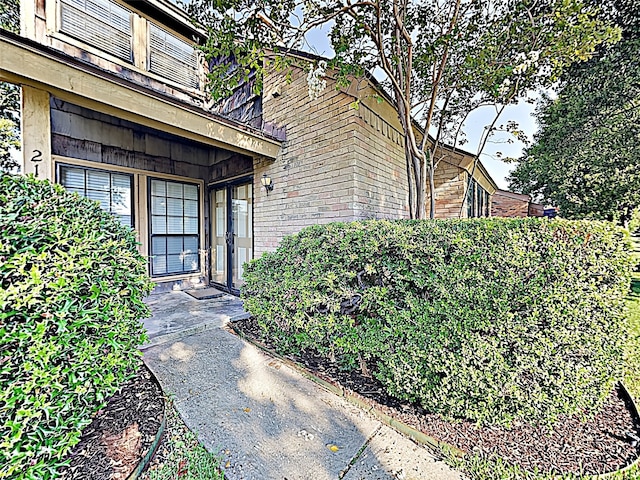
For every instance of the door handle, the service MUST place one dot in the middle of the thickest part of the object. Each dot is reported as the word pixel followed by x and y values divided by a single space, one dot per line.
pixel 229 238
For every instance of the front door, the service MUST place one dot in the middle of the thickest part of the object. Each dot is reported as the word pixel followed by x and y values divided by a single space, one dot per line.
pixel 231 233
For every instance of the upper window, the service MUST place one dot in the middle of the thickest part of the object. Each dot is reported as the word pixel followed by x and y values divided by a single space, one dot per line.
pixel 112 190
pixel 174 223
pixel 172 57
pixel 101 23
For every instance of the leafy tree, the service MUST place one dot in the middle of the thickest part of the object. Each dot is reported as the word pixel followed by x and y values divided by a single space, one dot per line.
pixel 9 94
pixel 441 59
pixel 8 140
pixel 586 155
pixel 10 15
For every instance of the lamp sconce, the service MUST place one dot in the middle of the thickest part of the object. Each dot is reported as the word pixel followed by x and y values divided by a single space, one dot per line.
pixel 267 183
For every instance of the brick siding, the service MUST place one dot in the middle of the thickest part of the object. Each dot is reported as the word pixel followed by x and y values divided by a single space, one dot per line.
pixel 508 204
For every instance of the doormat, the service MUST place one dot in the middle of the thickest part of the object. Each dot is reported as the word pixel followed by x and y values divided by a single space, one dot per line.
pixel 205 293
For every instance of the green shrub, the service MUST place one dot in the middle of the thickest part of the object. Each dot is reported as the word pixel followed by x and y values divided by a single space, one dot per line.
pixel 492 320
pixel 71 290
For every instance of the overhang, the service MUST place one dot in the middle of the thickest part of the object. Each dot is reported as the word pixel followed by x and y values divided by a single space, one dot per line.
pixel 467 162
pixel 25 62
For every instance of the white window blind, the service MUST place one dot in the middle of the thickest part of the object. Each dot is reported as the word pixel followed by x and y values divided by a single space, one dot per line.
pixel 100 23
pixel 112 190
pixel 174 227
pixel 172 58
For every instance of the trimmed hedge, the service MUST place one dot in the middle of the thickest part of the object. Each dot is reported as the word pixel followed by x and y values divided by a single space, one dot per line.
pixel 493 320
pixel 71 290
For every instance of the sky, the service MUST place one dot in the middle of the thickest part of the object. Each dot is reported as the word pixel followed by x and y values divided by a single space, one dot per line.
pixel 521 113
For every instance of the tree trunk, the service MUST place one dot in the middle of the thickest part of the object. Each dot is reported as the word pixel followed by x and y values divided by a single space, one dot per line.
pixel 432 188
pixel 416 170
pixel 432 195
pixel 417 180
pixel 422 189
pixel 410 181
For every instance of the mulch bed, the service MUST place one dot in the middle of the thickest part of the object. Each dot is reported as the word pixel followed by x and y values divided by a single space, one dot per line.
pixel 599 445
pixel 120 434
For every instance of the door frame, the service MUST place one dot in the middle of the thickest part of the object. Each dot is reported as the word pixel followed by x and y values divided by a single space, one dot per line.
pixel 228 185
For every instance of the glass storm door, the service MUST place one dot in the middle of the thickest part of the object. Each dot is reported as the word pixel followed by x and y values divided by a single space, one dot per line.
pixel 231 233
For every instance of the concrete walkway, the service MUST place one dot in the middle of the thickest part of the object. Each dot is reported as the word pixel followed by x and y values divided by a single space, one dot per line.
pixel 265 419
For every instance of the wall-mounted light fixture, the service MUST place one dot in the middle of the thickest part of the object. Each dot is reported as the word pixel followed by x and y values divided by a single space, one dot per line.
pixel 267 183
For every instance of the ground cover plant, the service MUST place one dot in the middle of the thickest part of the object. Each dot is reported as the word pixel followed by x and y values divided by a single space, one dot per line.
pixel 71 290
pixel 491 320
pixel 181 455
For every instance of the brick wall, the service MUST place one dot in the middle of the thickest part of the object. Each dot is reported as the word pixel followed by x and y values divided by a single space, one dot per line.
pixel 313 175
pixel 536 210
pixel 381 189
pixel 338 163
pixel 450 182
pixel 509 204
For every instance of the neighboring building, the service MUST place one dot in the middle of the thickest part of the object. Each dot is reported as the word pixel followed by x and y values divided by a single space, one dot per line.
pixel 536 210
pixel 511 204
pixel 550 212
pixel 114 107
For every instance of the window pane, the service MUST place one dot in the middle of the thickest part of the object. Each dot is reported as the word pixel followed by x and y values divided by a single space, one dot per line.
pixel 120 181
pixel 174 245
pixel 101 23
pixel 191 244
pixel 172 57
pixel 98 180
pixel 158 224
pixel 220 221
pixel 174 263
pixel 102 197
pixel 112 190
pixel 190 208
pixel 242 258
pixel 158 188
pixel 158 205
pixel 159 265
pixel 174 225
pixel 158 245
pixel 174 190
pixel 125 220
pixel 191 262
pixel 121 201
pixel 172 215
pixel 191 192
pixel 219 266
pixel 190 225
pixel 72 179
pixel 174 207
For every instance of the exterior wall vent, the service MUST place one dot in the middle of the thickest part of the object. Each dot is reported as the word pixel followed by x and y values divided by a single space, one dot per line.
pixel 100 23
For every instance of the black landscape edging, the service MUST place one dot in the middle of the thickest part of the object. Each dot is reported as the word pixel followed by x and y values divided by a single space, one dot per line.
pixel 144 461
pixel 635 413
pixel 416 435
